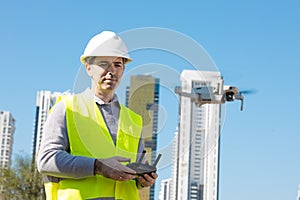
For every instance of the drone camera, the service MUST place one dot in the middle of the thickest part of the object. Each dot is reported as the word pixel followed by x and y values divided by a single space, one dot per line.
pixel 229 96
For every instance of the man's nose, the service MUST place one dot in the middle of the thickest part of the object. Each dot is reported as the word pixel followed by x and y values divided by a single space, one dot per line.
pixel 111 69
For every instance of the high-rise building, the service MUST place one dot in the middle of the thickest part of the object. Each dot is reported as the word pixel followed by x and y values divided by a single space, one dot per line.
pixel 165 189
pixel 142 96
pixel 298 196
pixel 44 101
pixel 198 140
pixel 7 130
pixel 173 193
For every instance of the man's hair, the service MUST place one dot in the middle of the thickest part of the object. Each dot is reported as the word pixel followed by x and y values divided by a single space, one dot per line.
pixel 90 59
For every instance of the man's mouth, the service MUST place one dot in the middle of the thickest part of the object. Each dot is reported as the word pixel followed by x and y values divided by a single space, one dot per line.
pixel 110 79
pixel 107 80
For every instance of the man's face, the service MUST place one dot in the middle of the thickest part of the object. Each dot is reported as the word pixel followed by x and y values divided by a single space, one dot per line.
pixel 106 72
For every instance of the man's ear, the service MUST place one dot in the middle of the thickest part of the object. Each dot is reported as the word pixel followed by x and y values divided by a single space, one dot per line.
pixel 88 69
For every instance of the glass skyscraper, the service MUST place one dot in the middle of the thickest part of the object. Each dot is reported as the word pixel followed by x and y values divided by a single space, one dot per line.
pixel 142 96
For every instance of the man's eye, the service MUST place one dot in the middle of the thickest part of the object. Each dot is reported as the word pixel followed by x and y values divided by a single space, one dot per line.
pixel 118 64
pixel 103 65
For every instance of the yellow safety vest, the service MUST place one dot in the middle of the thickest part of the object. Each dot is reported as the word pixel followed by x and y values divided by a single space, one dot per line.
pixel 89 136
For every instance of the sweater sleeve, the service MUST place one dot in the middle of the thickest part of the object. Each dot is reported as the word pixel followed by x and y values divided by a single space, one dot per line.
pixel 53 158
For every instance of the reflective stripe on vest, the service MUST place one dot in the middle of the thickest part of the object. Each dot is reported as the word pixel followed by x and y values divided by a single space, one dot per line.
pixel 89 136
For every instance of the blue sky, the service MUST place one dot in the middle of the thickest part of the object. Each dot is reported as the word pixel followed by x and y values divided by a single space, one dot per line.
pixel 254 44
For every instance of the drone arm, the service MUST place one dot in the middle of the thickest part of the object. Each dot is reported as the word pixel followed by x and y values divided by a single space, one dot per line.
pixel 242 103
pixel 240 97
pixel 194 97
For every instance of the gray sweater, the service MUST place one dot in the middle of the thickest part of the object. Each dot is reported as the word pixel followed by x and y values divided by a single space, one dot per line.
pixel 54 159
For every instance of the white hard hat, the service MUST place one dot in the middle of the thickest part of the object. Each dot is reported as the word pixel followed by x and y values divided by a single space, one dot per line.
pixel 106 43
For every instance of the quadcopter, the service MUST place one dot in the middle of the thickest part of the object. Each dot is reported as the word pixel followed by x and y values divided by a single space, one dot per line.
pixel 213 95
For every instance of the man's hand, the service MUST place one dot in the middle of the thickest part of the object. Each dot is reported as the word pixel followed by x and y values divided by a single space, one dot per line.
pixel 147 180
pixel 113 169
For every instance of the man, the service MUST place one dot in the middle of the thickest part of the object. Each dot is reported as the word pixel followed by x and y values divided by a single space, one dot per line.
pixel 90 137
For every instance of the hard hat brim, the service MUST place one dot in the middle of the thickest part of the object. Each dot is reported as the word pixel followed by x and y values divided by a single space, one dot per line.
pixel 83 57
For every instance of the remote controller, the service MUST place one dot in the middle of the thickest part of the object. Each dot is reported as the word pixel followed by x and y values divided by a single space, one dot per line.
pixel 142 168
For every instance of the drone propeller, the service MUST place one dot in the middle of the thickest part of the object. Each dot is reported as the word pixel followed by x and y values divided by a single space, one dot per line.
pixel 252 91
